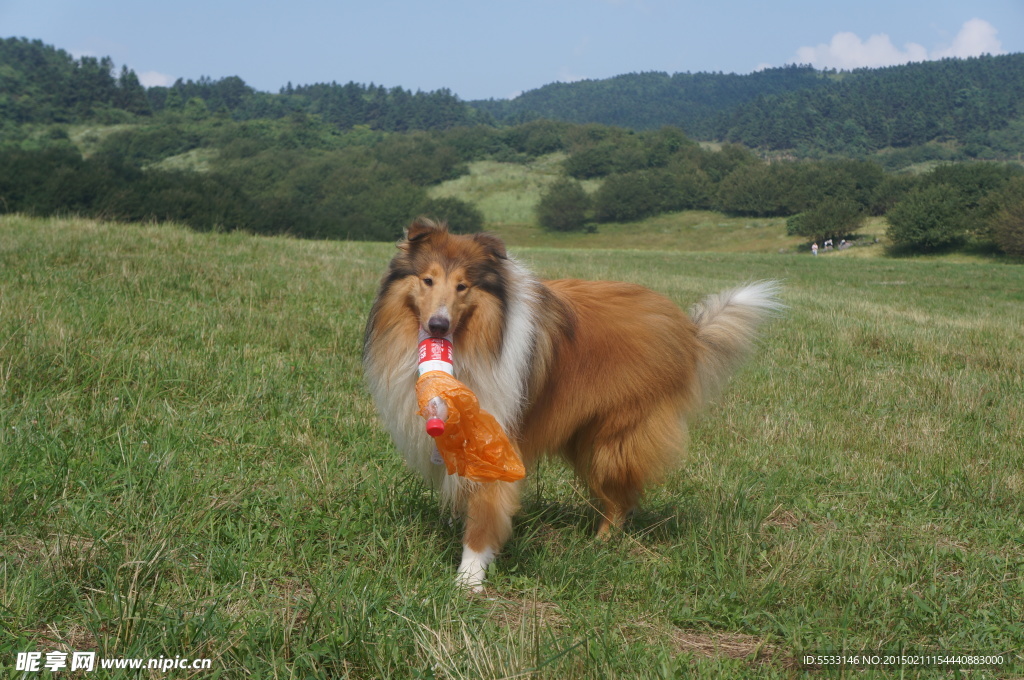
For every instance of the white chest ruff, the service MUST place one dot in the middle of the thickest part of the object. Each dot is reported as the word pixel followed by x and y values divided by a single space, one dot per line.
pixel 500 386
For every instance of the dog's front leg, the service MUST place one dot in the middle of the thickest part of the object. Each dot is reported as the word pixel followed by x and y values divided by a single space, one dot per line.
pixel 488 526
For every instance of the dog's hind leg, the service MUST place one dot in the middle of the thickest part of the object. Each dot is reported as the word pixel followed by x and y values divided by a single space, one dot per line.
pixel 626 457
pixel 488 526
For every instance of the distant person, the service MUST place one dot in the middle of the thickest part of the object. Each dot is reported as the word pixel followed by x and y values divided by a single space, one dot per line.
pixel 814 248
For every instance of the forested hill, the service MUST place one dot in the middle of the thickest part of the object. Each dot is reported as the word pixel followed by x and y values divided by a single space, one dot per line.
pixel 954 108
pixel 694 101
pixel 976 102
pixel 42 84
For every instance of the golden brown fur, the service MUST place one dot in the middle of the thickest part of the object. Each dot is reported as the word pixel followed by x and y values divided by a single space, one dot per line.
pixel 601 373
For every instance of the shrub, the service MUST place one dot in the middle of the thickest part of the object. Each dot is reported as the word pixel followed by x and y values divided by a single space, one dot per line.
pixel 618 153
pixel 1008 229
pixel 691 188
pixel 564 206
pixel 472 142
pixel 756 190
pixel 891 191
pixel 1006 217
pixel 627 197
pixel 637 195
pixel 928 218
pixel 594 161
pixel 149 144
pixel 462 217
pixel 973 180
pixel 538 137
pixel 831 218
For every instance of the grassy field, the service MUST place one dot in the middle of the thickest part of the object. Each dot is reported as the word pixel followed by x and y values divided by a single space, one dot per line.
pixel 690 231
pixel 507 194
pixel 192 468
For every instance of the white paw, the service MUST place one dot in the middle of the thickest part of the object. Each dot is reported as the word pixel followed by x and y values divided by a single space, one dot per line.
pixel 473 568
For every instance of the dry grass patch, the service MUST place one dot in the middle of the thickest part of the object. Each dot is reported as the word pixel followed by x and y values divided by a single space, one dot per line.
pixel 515 613
pixel 75 638
pixel 724 645
pixel 781 518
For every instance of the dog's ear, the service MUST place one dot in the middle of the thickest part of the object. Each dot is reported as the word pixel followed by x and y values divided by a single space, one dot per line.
pixel 420 231
pixel 492 245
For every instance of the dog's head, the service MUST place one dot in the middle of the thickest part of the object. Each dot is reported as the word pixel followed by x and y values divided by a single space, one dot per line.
pixel 446 278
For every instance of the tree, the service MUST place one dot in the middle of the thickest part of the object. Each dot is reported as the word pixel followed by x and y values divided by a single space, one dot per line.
pixel 196 109
pixel 627 197
pixel 92 84
pixel 462 217
pixel 754 190
pixel 1006 217
pixel 1007 227
pixel 538 137
pixel 131 96
pixel 928 218
pixel 564 206
pixel 833 217
pixel 593 161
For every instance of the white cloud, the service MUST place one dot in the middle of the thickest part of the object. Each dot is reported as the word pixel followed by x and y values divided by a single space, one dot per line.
pixel 155 79
pixel 977 36
pixel 848 51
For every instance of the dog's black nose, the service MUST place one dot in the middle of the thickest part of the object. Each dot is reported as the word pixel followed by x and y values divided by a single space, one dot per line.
pixel 438 326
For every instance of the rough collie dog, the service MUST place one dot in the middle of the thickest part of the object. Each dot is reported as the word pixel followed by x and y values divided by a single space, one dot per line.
pixel 602 373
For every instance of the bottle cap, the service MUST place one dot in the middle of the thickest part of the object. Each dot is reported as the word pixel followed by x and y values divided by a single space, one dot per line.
pixel 435 427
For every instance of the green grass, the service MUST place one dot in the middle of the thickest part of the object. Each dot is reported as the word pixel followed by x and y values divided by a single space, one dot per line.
pixel 194 160
pixel 507 193
pixel 192 467
pixel 690 231
pixel 89 138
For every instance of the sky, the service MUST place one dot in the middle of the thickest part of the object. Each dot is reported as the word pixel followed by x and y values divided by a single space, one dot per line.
pixel 481 50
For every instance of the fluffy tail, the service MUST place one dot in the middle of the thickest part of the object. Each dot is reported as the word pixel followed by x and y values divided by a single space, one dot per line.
pixel 727 327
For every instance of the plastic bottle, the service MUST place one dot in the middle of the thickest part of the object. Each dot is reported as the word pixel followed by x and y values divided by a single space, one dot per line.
pixel 435 354
pixel 468 440
pixel 436 413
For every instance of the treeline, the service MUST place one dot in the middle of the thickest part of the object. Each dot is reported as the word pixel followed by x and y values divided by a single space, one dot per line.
pixel 348 161
pixel 978 204
pixel 954 108
pixel 694 102
pixel 42 84
pixel 303 177
pixel 290 177
pixel 977 103
pixel 58 181
pixel 391 109
pixel 651 172
pixel 940 110
pixel 297 176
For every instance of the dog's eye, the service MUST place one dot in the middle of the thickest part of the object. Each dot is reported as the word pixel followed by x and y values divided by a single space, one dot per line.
pixel 428 282
pixel 461 287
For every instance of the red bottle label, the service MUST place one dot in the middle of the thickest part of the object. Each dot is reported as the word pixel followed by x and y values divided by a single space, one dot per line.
pixel 435 354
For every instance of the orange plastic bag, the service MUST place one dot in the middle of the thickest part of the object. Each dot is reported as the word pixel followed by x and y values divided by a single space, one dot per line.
pixel 473 444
